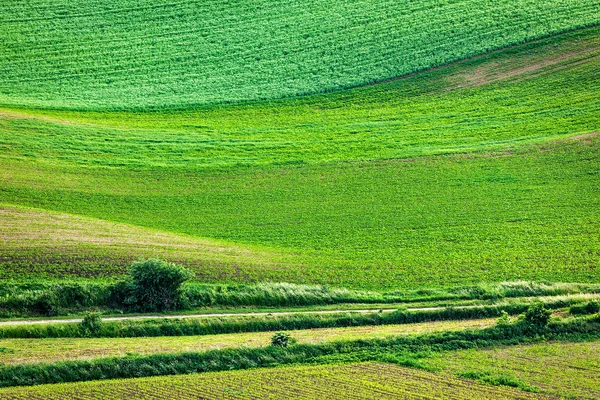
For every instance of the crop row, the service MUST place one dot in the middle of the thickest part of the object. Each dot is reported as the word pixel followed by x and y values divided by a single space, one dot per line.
pixel 162 54
pixel 355 381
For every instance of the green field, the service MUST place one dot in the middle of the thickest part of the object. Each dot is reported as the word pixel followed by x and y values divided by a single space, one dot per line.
pixel 18 351
pixel 428 164
pixel 568 370
pixel 485 170
pixel 140 54
pixel 356 381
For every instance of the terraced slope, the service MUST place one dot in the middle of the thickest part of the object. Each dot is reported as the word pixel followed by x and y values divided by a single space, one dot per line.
pixel 139 54
pixel 356 381
pixel 345 182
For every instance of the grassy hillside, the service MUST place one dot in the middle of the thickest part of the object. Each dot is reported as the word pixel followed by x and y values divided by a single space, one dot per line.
pixel 459 175
pixel 139 54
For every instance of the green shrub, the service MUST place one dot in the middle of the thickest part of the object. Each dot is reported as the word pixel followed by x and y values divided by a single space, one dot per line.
pixel 282 339
pixel 590 308
pixel 154 285
pixel 91 325
pixel 504 319
pixel 538 315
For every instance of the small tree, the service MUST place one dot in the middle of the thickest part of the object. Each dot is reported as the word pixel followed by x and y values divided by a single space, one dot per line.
pixel 537 315
pixel 155 285
pixel 91 324
pixel 282 339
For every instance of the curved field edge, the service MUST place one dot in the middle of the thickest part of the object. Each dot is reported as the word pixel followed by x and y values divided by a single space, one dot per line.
pixel 190 53
pixel 58 244
pixel 528 93
pixel 529 214
pixel 358 381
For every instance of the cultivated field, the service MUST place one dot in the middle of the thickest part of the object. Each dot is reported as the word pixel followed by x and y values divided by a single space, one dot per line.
pixel 359 381
pixel 516 201
pixel 160 54
pixel 194 195
pixel 568 370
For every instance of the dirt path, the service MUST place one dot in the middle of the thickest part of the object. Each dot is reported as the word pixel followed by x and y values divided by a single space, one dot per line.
pixel 250 314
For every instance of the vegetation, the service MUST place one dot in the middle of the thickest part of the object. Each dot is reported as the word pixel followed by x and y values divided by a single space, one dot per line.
pixel 19 351
pixel 242 358
pixel 592 307
pixel 228 174
pixel 566 370
pixel 313 143
pixel 428 249
pixel 153 285
pixel 537 315
pixel 357 381
pixel 282 339
pixel 162 57
pixel 91 325
pixel 216 325
pixel 63 297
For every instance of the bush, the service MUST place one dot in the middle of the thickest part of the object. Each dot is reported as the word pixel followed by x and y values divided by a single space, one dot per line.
pixel 282 339
pixel 590 308
pixel 45 304
pixel 91 325
pixel 538 315
pixel 504 319
pixel 154 285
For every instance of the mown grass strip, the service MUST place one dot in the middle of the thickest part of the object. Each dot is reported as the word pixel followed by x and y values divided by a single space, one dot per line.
pixel 19 351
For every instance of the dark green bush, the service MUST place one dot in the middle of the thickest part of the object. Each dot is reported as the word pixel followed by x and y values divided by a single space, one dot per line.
pixel 154 285
pixel 590 308
pixel 538 315
pixel 282 339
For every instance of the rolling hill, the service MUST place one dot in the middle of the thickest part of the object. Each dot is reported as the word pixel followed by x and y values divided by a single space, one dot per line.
pixel 140 54
pixel 485 170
